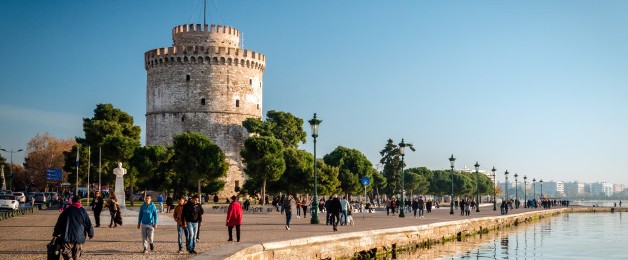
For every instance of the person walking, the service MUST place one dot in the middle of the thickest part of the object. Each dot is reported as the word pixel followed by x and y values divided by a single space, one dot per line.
pixel 328 211
pixel 421 204
pixel 298 205
pixel 72 226
pixel 181 229
pixel 160 200
pixel 234 218
pixel 335 207
pixel 415 206
pixel 169 203
pixel 97 205
pixel 147 222
pixel 287 207
pixel 304 203
pixel 193 213
pixel 344 205
pixel 114 208
pixel 428 206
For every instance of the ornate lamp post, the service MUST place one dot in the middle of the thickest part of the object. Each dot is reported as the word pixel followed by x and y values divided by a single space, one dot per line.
pixel 534 187
pixel 494 190
pixel 516 192
pixel 452 160
pixel 477 186
pixel 314 123
pixel 525 191
pixel 402 152
pixel 11 152
pixel 506 184
pixel 541 181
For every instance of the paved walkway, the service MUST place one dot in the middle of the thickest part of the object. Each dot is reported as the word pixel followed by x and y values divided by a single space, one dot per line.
pixel 25 237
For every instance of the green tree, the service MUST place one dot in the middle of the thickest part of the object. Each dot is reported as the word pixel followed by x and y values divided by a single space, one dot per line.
pixel 114 131
pixel 420 183
pixel 197 158
pixel 146 162
pixel 440 183
pixel 328 182
pixel 282 125
pixel 263 157
pixel 391 160
pixel 298 175
pixel 353 165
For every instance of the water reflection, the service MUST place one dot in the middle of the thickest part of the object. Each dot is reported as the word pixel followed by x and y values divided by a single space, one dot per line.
pixel 572 236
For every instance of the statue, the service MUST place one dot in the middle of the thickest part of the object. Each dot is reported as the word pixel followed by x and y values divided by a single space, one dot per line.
pixel 119 188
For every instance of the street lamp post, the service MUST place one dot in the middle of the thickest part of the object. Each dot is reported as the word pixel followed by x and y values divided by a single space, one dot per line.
pixel 525 191
pixel 494 190
pixel 314 123
pixel 477 186
pixel 541 181
pixel 11 152
pixel 402 152
pixel 534 187
pixel 452 160
pixel 506 185
pixel 516 192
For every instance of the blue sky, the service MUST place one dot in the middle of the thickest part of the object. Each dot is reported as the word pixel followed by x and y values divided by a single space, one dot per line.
pixel 536 87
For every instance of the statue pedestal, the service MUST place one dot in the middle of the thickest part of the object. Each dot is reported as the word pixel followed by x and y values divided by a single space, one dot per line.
pixel 121 200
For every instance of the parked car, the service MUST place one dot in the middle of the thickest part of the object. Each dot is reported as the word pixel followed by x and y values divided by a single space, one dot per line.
pixel 8 202
pixel 20 197
pixel 40 198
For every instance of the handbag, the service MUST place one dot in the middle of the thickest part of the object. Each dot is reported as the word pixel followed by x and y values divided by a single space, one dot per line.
pixel 118 218
pixel 54 249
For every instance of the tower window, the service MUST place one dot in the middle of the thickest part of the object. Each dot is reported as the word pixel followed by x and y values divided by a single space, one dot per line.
pixel 187 77
pixel 257 106
pixel 183 118
pixel 237 103
pixel 251 82
pixel 202 101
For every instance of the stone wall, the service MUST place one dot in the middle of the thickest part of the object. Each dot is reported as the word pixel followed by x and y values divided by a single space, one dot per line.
pixel 206 84
pixel 347 245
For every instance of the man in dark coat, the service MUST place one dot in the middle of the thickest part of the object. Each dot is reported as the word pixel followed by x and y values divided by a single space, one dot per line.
pixel 335 208
pixel 97 207
pixel 72 226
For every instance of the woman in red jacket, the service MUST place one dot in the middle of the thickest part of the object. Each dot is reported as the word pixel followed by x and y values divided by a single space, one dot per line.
pixel 234 218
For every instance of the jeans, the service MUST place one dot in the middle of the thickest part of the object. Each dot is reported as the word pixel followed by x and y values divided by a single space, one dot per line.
pixel 344 216
pixel 305 211
pixel 298 211
pixel 147 235
pixel 414 213
pixel 181 233
pixel 421 212
pixel 288 217
pixel 192 230
pixel 161 207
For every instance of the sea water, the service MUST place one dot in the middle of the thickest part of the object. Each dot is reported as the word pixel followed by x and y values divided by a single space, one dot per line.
pixel 566 236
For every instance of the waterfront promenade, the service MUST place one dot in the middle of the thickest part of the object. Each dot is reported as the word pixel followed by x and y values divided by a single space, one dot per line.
pixel 25 237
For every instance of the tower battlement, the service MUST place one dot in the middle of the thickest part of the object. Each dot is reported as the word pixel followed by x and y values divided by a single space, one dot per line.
pixel 201 54
pixel 205 35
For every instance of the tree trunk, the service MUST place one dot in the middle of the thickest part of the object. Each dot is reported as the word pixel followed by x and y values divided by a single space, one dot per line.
pixel 264 192
pixel 199 188
pixel 132 197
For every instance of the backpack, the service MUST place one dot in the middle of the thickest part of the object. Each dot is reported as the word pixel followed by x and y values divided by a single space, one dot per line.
pixel 54 248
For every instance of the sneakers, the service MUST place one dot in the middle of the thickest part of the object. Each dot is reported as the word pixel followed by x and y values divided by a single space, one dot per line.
pixel 193 252
pixel 287 227
pixel 145 251
pixel 181 251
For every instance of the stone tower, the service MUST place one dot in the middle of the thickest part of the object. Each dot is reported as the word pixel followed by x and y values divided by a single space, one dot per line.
pixel 204 83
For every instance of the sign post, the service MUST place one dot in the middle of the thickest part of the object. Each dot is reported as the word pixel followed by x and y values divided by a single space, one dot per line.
pixel 365 182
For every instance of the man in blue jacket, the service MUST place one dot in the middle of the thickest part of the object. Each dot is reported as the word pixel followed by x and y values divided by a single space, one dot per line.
pixel 147 221
pixel 72 226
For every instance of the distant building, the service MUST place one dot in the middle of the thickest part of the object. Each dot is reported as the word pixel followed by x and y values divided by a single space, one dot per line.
pixel 574 188
pixel 602 188
pixel 618 188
